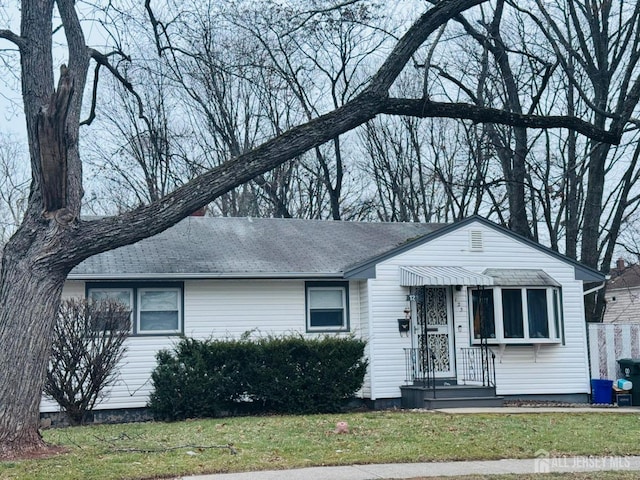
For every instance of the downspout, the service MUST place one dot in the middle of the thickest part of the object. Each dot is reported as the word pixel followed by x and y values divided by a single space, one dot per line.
pixel 370 341
pixel 584 294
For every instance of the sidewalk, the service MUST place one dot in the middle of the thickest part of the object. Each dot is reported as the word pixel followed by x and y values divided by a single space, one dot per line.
pixel 444 469
pixel 516 410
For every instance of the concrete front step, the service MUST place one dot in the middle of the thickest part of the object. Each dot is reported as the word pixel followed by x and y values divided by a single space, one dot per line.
pixel 463 402
pixel 461 391
pixel 414 396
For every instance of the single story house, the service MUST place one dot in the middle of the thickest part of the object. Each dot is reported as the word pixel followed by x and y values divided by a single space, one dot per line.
pixel 444 308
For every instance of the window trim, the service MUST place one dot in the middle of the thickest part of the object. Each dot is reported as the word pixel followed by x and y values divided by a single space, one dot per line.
pixel 555 320
pixel 315 286
pixel 135 287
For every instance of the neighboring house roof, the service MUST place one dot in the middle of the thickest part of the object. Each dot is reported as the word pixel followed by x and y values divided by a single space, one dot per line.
pixel 629 277
pixel 228 247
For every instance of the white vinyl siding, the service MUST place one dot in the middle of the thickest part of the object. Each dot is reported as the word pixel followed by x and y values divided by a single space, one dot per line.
pixel 365 329
pixel 73 289
pixel 224 309
pixel 559 368
pixel 623 305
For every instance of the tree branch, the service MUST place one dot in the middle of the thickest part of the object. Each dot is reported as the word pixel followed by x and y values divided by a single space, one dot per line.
pixel 94 96
pixel 102 59
pixel 229 447
pixel 96 236
pixel 428 23
pixel 427 109
pixel 17 40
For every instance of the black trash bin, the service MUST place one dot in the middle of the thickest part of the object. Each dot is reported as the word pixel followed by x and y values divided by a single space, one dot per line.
pixel 630 368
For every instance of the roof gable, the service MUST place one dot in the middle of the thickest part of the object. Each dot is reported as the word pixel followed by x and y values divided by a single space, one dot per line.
pixel 582 272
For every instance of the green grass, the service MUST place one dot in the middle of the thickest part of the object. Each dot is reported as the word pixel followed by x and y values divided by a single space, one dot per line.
pixel 105 452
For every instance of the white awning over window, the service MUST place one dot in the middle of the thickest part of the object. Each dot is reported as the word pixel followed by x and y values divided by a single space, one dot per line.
pixel 426 276
pixel 521 277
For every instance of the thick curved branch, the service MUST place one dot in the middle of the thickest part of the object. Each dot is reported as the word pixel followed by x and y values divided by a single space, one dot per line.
pixel 426 109
pixel 92 237
pixel 94 97
pixel 17 40
pixel 415 37
pixel 103 59
pixel 78 60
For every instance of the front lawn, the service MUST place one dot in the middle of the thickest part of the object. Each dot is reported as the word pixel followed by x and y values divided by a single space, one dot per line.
pixel 147 450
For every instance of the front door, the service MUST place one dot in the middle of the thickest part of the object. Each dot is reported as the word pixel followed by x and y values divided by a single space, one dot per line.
pixel 433 327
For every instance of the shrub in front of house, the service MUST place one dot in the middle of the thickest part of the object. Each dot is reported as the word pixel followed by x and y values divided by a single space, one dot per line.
pixel 270 375
pixel 87 346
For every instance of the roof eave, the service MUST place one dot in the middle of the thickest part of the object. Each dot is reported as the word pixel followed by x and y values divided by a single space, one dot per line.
pixel 204 276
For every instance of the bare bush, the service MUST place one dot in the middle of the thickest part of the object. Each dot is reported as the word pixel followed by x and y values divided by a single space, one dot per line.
pixel 87 346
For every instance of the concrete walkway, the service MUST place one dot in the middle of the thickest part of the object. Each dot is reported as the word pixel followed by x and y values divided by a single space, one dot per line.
pixel 444 469
pixel 529 410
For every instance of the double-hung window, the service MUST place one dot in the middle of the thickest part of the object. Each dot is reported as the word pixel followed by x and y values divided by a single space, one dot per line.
pixel 121 296
pixel 155 308
pixel 516 314
pixel 158 310
pixel 327 306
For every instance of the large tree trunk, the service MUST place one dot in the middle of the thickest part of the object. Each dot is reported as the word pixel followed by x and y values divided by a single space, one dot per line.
pixel 29 294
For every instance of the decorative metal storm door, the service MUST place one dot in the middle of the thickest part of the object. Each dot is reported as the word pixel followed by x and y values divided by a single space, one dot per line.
pixel 433 329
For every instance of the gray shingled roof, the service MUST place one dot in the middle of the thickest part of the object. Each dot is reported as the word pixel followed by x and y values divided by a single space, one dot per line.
pixel 237 247
pixel 629 277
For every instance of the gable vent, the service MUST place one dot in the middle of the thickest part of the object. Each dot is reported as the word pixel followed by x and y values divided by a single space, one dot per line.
pixel 475 240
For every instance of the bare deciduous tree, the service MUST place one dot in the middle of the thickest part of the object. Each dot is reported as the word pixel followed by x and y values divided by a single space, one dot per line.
pixel 13 187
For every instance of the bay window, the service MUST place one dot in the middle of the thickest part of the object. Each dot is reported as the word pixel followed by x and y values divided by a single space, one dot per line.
pixel 516 314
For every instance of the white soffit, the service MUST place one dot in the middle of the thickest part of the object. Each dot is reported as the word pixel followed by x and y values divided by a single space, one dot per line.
pixel 430 276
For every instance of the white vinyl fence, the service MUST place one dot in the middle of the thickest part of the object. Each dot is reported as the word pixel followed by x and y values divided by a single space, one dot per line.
pixel 609 342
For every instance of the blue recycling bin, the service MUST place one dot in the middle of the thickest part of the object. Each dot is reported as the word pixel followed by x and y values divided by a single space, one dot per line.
pixel 601 390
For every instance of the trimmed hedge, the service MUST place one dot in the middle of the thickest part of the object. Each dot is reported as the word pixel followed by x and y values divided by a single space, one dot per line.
pixel 275 374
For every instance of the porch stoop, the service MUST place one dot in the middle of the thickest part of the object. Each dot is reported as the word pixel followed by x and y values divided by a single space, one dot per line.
pixel 449 396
